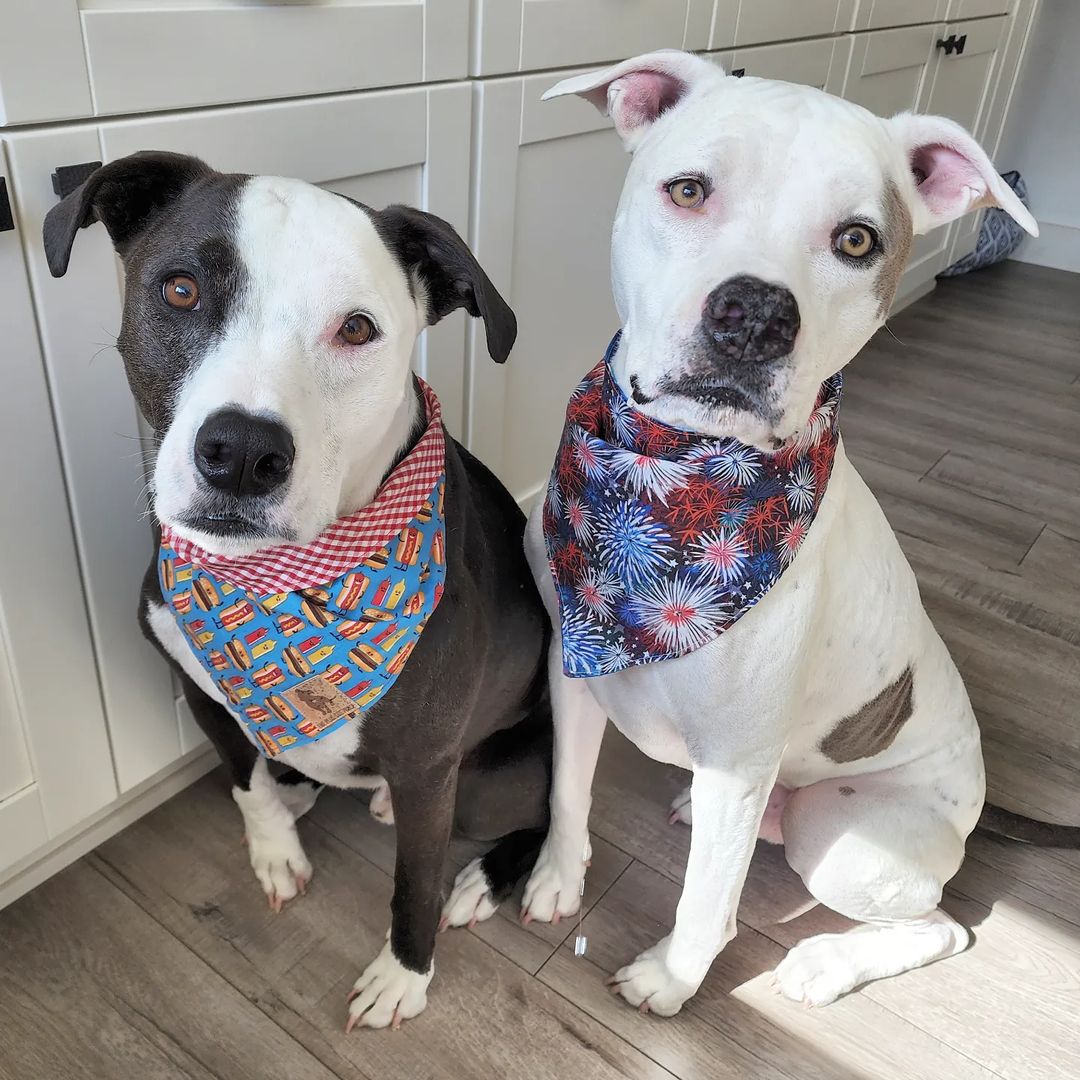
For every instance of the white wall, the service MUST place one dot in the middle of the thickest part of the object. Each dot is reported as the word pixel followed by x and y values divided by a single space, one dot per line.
pixel 1042 137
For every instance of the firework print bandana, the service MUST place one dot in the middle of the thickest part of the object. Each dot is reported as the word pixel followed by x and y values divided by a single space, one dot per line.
pixel 659 539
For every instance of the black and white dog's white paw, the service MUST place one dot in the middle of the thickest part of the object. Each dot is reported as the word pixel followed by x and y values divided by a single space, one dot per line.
pixel 681 809
pixel 470 900
pixel 553 890
pixel 387 993
pixel 381 806
pixel 274 847
pixel 649 984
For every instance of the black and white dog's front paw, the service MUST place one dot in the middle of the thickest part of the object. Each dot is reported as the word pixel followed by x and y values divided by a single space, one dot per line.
pixel 274 847
pixel 387 993
pixel 553 890
pixel 470 900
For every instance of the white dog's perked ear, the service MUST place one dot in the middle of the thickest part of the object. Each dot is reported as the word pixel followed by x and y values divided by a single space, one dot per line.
pixel 637 91
pixel 952 174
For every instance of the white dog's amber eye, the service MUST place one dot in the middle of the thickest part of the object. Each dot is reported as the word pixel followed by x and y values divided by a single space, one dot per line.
pixel 356 330
pixel 687 192
pixel 855 241
pixel 181 292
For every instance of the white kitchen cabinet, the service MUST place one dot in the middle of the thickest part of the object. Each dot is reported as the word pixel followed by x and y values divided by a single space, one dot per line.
pixel 524 35
pixel 55 766
pixel 875 14
pixel 126 56
pixel 407 146
pixel 781 20
pixel 975 9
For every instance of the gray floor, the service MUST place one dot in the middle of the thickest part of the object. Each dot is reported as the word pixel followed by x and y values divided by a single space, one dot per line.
pixel 156 955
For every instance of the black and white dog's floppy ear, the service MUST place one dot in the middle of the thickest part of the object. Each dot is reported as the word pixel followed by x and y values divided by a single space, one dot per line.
pixel 428 247
pixel 124 196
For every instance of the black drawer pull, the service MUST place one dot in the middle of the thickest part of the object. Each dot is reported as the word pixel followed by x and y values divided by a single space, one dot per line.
pixel 67 178
pixel 7 219
pixel 738 73
pixel 952 44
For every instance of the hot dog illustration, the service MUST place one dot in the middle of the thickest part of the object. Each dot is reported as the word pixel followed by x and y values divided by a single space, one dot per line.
pixel 268 676
pixel 438 550
pixel 423 515
pixel 336 674
pixel 234 688
pixel 425 572
pixel 442 496
pixel 280 708
pixel 206 595
pixel 168 575
pixel 395 665
pixel 182 602
pixel 316 595
pixel 415 604
pixel 270 748
pixel 352 590
pixel 316 613
pixel 366 657
pixel 256 713
pixel 290 624
pixel 235 651
pixel 218 660
pixel 295 661
pixel 408 546
pixel 235 615
pixel 377 560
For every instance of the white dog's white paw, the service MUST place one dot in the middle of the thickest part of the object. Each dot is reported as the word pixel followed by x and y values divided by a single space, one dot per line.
pixel 299 798
pixel 381 806
pixel 553 890
pixel 470 899
pixel 280 864
pixel 648 984
pixel 681 809
pixel 817 971
pixel 387 993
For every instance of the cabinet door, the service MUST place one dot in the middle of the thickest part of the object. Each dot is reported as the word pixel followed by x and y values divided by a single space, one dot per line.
pixel 975 9
pixel 961 88
pixel 401 145
pixel 522 35
pixel 872 14
pixel 548 178
pixel 780 20
pixel 142 55
pixel 54 751
pixel 821 63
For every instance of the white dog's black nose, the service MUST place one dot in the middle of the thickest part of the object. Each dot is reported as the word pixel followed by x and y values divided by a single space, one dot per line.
pixel 749 319
pixel 243 454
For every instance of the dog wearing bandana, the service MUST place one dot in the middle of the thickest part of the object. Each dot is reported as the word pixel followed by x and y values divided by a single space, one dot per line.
pixel 723 585
pixel 339 585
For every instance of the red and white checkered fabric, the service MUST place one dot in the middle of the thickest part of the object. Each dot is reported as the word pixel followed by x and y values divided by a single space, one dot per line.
pixel 346 542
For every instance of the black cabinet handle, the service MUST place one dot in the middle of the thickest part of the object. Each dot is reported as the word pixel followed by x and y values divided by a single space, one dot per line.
pixel 66 178
pixel 7 219
pixel 960 43
pixel 952 44
pixel 738 73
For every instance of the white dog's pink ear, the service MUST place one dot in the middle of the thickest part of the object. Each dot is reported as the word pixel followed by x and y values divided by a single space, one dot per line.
pixel 637 91
pixel 952 174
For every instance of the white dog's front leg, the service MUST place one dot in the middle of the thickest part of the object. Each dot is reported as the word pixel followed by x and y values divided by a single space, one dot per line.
pixel 554 886
pixel 727 811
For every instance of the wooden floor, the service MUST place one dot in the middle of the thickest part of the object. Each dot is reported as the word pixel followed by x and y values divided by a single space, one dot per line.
pixel 156 955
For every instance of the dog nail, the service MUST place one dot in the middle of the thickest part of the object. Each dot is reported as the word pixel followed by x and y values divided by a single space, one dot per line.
pixel 443 923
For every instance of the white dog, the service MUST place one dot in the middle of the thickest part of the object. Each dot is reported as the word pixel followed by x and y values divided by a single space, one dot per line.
pixel 762 230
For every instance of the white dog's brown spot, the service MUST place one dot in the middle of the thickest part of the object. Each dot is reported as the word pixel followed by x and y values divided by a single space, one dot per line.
pixel 897 244
pixel 871 729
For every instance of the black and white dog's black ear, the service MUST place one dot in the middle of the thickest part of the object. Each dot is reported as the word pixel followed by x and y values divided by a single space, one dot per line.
pixel 429 246
pixel 124 196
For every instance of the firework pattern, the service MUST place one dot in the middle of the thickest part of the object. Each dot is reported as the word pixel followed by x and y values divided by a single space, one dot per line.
pixel 659 539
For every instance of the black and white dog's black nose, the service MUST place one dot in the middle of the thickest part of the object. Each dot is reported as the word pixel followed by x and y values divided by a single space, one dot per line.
pixel 749 319
pixel 243 454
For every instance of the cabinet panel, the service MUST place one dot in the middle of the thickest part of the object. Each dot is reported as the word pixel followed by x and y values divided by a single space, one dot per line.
pixel 773 20
pixel 975 9
pixel 888 68
pixel 522 35
pixel 547 183
pixel 819 63
pixel 53 728
pixel 400 146
pixel 872 14
pixel 22 826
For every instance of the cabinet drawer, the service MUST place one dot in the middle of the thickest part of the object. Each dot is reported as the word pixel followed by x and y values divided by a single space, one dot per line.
pixel 143 56
pixel 873 14
pixel 523 35
pixel 975 9
pixel 819 63
pixel 888 68
pixel 781 20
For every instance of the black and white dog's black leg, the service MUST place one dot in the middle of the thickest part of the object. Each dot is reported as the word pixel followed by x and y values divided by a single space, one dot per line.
pixel 394 985
pixel 270 808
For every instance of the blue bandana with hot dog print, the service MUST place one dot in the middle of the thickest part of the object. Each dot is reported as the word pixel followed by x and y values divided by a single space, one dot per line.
pixel 660 539
pixel 304 638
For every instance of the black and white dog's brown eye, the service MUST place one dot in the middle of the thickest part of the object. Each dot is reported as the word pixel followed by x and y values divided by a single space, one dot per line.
pixel 357 330
pixel 855 241
pixel 687 192
pixel 181 292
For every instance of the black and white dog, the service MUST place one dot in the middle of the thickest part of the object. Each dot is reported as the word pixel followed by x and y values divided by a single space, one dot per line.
pixel 293 312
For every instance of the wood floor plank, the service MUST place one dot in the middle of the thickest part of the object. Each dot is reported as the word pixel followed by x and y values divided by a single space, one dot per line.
pixel 486 1017
pixel 736 1001
pixel 91 986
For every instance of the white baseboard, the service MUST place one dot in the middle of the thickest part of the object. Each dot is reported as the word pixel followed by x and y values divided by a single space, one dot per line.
pixel 1056 246
pixel 65 849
